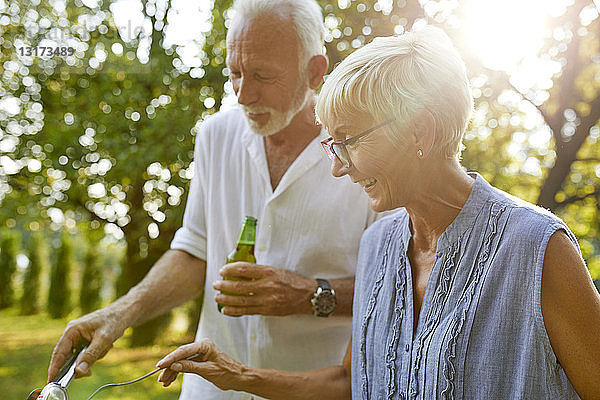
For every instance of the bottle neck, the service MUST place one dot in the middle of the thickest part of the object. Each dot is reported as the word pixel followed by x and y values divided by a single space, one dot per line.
pixel 247 235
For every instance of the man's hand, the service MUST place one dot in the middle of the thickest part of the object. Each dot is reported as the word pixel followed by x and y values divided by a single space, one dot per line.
pixel 263 290
pixel 211 364
pixel 100 328
pixel 175 278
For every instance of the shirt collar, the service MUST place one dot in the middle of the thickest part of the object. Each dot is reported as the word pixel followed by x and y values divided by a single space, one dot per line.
pixel 307 159
pixel 480 194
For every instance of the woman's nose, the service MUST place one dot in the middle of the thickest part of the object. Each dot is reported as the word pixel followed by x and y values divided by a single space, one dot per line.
pixel 338 169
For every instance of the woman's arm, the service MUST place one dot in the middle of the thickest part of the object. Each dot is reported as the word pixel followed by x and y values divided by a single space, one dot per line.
pixel 227 374
pixel 571 311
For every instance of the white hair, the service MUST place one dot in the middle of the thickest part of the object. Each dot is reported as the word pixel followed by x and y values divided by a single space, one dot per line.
pixel 396 77
pixel 306 17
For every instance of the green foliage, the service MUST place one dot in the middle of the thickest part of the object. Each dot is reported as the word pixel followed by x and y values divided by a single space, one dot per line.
pixel 112 130
pixel 103 140
pixel 91 280
pixel 38 263
pixel 193 309
pixel 352 24
pixel 9 247
pixel 59 294
pixel 26 343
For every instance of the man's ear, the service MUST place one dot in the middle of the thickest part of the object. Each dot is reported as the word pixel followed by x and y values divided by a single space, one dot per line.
pixel 424 131
pixel 317 67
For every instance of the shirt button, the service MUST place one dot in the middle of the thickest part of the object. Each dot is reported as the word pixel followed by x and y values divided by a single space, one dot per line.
pixel 407 348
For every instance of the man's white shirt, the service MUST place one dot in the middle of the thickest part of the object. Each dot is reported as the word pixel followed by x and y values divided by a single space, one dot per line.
pixel 311 224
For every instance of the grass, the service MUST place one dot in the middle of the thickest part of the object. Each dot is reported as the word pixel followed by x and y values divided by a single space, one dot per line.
pixel 26 343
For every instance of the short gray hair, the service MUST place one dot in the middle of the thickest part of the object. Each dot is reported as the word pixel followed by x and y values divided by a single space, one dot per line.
pixel 395 77
pixel 306 17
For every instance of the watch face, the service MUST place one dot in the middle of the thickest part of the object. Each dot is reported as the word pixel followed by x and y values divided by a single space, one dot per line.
pixel 324 303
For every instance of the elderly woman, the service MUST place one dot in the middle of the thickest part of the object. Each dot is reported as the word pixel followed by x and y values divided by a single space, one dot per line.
pixel 467 292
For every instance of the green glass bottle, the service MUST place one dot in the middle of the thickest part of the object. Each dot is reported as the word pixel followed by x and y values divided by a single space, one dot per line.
pixel 244 250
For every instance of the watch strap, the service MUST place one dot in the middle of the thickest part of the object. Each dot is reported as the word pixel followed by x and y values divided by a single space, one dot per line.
pixel 324 284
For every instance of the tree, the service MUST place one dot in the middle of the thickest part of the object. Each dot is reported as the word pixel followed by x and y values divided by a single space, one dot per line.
pixel 564 177
pixel 38 261
pixel 562 172
pixel 59 294
pixel 97 124
pixel 9 247
pixel 103 139
pixel 91 280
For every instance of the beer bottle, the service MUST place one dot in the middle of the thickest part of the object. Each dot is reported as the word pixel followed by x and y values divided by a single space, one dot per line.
pixel 244 250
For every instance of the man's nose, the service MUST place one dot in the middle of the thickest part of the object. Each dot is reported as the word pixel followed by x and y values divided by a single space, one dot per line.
pixel 338 169
pixel 247 92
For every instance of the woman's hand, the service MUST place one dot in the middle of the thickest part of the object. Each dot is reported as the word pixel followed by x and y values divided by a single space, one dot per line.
pixel 227 374
pixel 211 364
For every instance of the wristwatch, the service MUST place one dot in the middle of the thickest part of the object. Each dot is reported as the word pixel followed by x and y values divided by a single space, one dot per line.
pixel 323 300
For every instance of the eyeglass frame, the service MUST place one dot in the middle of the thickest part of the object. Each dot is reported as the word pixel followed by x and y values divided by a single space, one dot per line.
pixel 328 143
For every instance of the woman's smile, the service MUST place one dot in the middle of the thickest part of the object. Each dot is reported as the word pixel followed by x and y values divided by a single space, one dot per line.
pixel 367 183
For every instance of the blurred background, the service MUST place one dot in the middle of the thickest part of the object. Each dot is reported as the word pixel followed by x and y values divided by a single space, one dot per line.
pixel 96 145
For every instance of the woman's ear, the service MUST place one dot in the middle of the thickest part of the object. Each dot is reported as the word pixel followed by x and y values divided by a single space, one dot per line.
pixel 424 132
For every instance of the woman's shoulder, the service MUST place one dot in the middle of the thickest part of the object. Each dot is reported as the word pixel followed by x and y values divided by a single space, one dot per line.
pixel 528 220
pixel 523 210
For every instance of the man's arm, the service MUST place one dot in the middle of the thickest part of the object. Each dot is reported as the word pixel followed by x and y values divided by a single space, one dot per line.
pixel 228 374
pixel 571 311
pixel 274 291
pixel 174 279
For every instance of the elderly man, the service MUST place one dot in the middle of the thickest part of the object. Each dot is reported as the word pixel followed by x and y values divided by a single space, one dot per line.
pixel 262 159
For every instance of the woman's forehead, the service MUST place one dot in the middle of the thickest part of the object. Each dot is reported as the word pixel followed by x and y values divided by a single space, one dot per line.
pixel 349 120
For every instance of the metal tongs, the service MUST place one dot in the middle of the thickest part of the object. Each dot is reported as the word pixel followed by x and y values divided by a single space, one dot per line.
pixel 57 389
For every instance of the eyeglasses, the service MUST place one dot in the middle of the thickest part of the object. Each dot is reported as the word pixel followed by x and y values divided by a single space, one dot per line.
pixel 338 149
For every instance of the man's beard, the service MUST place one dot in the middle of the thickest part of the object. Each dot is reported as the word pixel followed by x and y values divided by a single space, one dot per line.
pixel 279 119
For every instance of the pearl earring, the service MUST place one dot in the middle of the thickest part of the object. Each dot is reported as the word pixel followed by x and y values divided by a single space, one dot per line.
pixel 420 153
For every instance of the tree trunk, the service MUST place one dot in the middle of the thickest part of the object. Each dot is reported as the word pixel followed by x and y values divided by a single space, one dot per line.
pixel 139 259
pixel 566 154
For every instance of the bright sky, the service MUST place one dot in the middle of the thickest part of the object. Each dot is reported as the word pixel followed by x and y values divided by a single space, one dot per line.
pixel 185 27
pixel 506 34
